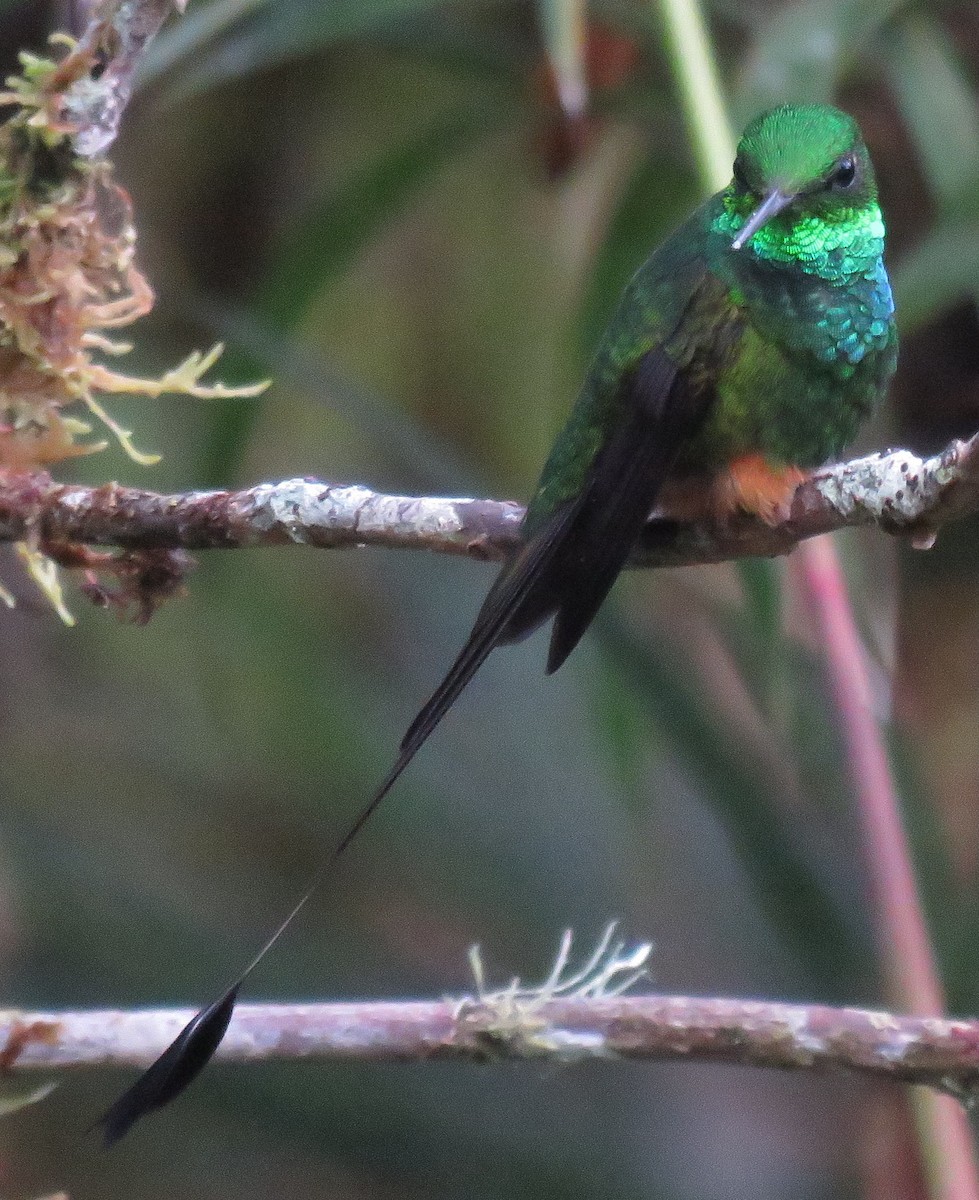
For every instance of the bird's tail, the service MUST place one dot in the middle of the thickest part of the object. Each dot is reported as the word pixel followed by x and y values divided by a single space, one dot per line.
pixel 507 608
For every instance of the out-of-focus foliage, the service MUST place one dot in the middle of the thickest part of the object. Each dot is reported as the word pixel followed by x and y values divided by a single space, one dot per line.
pixel 381 204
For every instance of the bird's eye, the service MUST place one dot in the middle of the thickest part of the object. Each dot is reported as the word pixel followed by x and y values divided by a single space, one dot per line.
pixel 843 174
pixel 739 176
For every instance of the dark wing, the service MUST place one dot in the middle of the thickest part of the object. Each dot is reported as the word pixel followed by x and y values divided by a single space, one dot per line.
pixel 570 564
pixel 661 413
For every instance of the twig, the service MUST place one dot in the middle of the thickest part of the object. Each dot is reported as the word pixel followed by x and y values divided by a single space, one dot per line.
pixel 941 1053
pixel 105 62
pixel 909 966
pixel 898 491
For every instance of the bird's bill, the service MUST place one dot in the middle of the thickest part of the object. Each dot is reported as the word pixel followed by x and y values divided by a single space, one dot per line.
pixel 772 204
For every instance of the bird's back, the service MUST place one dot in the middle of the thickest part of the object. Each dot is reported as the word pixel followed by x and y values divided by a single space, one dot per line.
pixel 672 301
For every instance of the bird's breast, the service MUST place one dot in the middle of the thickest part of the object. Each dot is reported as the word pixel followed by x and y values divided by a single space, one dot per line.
pixel 813 360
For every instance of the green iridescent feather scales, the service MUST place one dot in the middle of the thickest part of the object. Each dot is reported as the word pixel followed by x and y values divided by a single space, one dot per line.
pixel 820 344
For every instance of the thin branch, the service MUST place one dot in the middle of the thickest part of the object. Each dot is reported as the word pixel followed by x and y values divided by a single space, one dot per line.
pixel 898 491
pixel 938 1052
pixel 103 65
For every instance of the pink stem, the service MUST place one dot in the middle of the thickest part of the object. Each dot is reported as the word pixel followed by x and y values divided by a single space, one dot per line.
pixel 910 970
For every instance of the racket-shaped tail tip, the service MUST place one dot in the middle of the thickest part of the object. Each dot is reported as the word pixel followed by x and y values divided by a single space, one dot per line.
pixel 176 1068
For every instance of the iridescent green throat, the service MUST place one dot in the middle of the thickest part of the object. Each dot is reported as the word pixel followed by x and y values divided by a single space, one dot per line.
pixel 836 249
pixel 815 285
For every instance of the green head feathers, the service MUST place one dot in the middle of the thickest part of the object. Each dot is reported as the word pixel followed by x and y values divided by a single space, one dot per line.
pixel 801 161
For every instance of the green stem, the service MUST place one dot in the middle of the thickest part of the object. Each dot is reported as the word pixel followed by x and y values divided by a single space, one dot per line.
pixel 692 56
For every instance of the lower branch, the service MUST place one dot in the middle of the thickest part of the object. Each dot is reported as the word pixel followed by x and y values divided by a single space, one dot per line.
pixel 941 1053
pixel 897 490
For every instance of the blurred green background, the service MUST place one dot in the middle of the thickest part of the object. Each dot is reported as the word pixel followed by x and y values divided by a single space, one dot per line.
pixel 378 204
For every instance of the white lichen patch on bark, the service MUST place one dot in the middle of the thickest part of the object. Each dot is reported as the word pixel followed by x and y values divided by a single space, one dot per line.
pixel 302 508
pixel 899 486
pixel 896 1047
pixel 883 485
pixel 799 1030
pixel 426 516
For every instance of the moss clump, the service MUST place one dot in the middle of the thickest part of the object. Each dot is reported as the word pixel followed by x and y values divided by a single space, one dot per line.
pixel 68 281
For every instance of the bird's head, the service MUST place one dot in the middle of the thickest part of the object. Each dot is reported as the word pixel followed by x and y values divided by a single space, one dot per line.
pixel 798 162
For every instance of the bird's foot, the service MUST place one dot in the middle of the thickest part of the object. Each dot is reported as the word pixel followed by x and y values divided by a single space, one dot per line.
pixel 752 485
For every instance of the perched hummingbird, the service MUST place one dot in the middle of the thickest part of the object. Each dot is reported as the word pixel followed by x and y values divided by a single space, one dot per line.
pixel 748 347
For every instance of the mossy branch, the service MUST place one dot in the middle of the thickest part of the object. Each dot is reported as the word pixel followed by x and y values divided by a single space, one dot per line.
pixel 898 491
pixel 68 276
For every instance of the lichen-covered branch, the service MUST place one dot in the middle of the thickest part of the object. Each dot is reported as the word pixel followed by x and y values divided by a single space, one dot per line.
pixel 898 490
pixel 941 1053
pixel 103 66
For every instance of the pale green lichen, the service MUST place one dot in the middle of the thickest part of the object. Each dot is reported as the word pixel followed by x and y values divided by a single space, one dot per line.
pixel 511 1021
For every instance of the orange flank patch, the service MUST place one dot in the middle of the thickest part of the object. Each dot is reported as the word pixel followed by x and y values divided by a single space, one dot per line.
pixel 748 484
pixel 752 485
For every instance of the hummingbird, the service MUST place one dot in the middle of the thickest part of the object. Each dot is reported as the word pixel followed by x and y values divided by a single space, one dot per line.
pixel 744 352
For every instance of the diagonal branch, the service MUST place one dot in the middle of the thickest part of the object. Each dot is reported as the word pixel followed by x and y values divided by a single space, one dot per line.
pixel 898 491
pixel 102 66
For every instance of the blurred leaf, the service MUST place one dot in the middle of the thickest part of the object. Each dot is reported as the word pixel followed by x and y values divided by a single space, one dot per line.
pixel 763 664
pixel 761 579
pixel 659 195
pixel 189 36
pixel 324 242
pixel 458 40
pixel 563 24
pixel 804 50
pixel 958 948
pixel 258 35
pixel 953 927
pixel 18 1093
pixel 783 677
pixel 316 252
pixel 774 850
pixel 423 460
pixel 940 109
pixel 940 271
pixel 624 732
